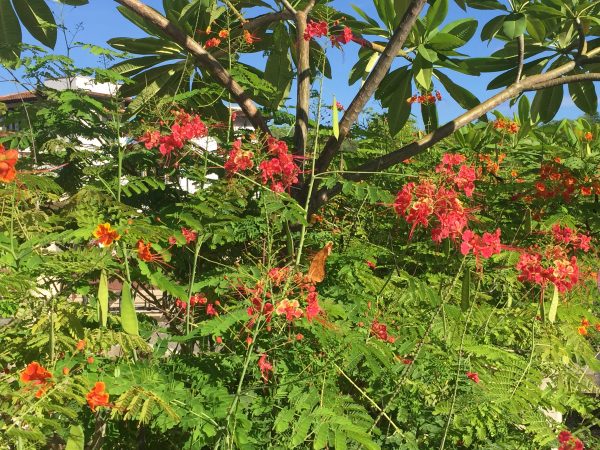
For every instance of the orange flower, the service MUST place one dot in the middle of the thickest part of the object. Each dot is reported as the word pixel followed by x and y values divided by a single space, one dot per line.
pixel 36 375
pixel 80 345
pixel 90 360
pixel 585 322
pixel 582 330
pixel 8 159
pixel 250 38
pixel 97 396
pixel 66 371
pixel 145 251
pixel 588 136
pixel 105 234
pixel 223 34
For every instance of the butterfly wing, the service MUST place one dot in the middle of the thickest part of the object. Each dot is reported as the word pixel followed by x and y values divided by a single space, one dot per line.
pixel 316 271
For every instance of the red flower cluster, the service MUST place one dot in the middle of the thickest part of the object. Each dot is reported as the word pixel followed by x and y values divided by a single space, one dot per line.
pixel 556 180
pixel 291 309
pixel 464 179
pixel 238 159
pixel 185 128
pixel 36 375
pixel 212 42
pixel 474 376
pixel 343 38
pixel 570 238
pixel 379 330
pixel 8 160
pixel 560 270
pixel 427 98
pixel 278 275
pixel 588 136
pixel 280 171
pixel 313 308
pixel 506 125
pixel 315 30
pixel 189 235
pixel 145 252
pixel 265 367
pixel 482 246
pixel 569 442
pixel 97 396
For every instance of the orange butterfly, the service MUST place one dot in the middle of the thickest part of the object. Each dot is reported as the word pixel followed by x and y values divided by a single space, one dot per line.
pixel 316 271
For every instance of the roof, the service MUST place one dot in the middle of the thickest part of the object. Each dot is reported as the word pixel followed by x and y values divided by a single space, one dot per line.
pixel 28 96
pixel 18 96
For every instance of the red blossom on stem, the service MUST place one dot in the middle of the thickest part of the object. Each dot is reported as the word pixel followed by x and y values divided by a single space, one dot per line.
pixel 265 367
pixel 315 30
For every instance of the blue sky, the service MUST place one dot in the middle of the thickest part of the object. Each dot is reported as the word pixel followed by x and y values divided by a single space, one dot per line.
pixel 100 21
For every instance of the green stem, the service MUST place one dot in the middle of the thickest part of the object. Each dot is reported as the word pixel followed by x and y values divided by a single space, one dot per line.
pixel 191 286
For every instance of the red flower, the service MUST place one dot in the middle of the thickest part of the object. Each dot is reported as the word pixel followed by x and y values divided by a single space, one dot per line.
pixel 210 310
pixel 315 29
pixel 473 376
pixel 151 139
pixel 238 159
pixel 219 340
pixel 97 396
pixel 8 160
pixel 564 436
pixel 588 136
pixel 379 330
pixel 299 336
pixel 223 34
pixel 339 106
pixel 250 38
pixel 278 275
pixel 189 235
pixel 343 38
pixel 212 42
pixel 265 367
pixel 145 252
pixel 291 309
pixel 105 235
pixel 280 171
pixel 568 441
pixel 313 309
pixel 371 265
pixel 485 246
pixel 36 375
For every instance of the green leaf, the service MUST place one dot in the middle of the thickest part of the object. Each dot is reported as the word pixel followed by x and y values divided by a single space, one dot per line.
pixel 38 19
pixel 76 439
pixel 398 108
pixel 436 14
pixel 278 69
pixel 103 298
pixel 553 306
pixel 546 103
pixel 465 298
pixel 427 54
pixel 335 119
pixel 430 116
pixel 524 107
pixel 463 96
pixel 10 32
pixel 584 96
pixel 423 70
pixel 464 29
pixel 491 28
pixel 74 2
pixel 514 25
pixel 129 319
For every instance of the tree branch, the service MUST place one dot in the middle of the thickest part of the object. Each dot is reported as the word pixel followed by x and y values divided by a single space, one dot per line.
pixel 372 82
pixel 378 47
pixel 591 76
pixel 521 42
pixel 203 58
pixel 265 20
pixel 402 154
pixel 303 83
pixel 287 5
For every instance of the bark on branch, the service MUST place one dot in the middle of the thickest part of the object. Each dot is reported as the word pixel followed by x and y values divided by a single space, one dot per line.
pixel 265 20
pixel 372 82
pixel 591 76
pixel 202 57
